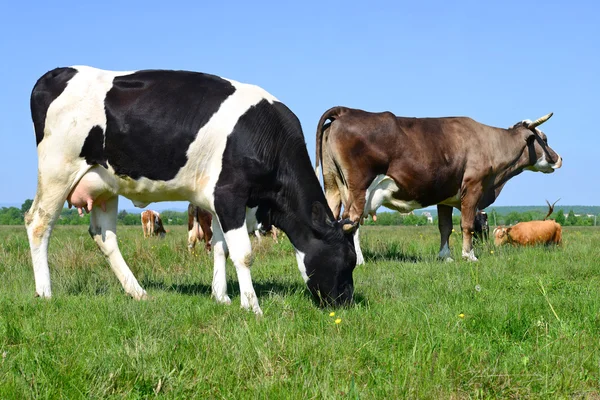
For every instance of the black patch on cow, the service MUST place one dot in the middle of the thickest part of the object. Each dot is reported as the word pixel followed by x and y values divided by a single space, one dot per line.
pixel 93 147
pixel 251 160
pixel 45 91
pixel 153 116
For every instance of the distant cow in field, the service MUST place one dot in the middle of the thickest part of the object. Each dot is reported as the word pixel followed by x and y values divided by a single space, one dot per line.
pixel 199 226
pixel 481 229
pixel 199 221
pixel 152 224
pixel 378 159
pixel 260 232
pixel 529 234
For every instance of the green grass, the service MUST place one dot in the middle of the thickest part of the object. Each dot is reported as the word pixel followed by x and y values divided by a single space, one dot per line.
pixel 530 328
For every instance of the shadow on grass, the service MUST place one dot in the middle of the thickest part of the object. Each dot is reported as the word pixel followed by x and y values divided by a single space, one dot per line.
pixel 262 289
pixel 389 252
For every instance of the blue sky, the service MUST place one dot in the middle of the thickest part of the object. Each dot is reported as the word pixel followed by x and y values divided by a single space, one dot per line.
pixel 497 62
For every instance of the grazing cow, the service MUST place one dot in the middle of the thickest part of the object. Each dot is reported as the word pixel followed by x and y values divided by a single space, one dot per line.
pixel 199 222
pixel 529 233
pixel 222 145
pixel 152 224
pixel 375 159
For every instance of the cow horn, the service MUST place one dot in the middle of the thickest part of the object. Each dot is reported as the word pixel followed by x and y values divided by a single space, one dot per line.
pixel 539 121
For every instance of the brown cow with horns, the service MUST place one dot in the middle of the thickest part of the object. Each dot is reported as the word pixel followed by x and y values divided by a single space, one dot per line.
pixel 377 159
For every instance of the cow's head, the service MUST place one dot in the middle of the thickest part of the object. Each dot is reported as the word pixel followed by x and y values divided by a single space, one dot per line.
pixel 331 259
pixel 537 155
pixel 501 235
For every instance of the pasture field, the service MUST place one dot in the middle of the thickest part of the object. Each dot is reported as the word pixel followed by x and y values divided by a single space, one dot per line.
pixel 520 323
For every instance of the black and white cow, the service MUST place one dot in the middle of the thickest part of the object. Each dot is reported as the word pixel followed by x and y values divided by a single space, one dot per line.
pixel 158 135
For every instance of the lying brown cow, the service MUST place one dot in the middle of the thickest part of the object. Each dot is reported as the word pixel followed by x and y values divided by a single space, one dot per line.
pixel 529 233
pixel 377 159
pixel 199 227
pixel 152 224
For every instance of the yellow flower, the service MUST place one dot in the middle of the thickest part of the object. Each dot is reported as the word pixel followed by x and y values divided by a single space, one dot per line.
pixel 337 321
pixel 461 315
pixel 491 251
pixel 453 230
pixel 331 314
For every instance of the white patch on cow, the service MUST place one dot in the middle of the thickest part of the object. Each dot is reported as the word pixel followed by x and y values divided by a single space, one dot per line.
pixel 199 176
pixel 41 272
pixel 445 254
pixel 380 193
pixel 240 252
pixel 469 255
pixel 453 201
pixel 103 228
pixel 300 260
pixel 220 252
pixel 360 260
pixel 542 165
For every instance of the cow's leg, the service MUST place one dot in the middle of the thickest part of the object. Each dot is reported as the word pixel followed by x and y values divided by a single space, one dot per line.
pixel 360 260
pixel 231 213
pixel 192 238
pixel 103 229
pixel 39 221
pixel 468 209
pixel 240 252
pixel 220 253
pixel 332 194
pixel 206 232
pixel 445 227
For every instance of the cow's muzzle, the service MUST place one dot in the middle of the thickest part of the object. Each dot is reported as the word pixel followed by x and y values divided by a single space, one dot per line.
pixel 557 164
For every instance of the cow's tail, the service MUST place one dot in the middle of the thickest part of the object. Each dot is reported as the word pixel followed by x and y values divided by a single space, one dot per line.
pixel 558 235
pixel 332 114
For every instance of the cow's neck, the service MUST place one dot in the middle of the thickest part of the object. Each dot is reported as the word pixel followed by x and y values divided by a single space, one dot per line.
pixel 292 211
pixel 507 167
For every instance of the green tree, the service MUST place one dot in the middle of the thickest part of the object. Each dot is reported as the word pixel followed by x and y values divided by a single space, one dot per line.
pixel 26 206
pixel 571 218
pixel 560 217
pixel 10 216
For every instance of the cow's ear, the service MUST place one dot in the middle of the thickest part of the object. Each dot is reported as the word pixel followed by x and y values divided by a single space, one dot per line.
pixel 319 215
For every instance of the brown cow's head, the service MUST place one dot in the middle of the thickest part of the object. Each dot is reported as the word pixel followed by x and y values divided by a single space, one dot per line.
pixel 538 155
pixel 501 235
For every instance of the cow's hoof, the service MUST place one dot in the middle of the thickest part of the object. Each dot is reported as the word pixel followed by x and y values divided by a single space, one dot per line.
pixel 223 299
pixel 141 296
pixel 470 256
pixel 250 302
pixel 42 294
pixel 255 308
